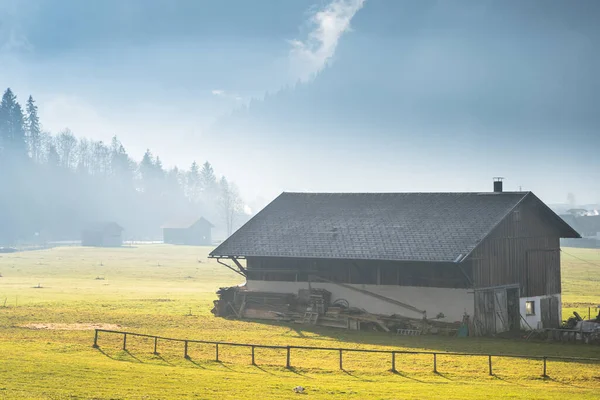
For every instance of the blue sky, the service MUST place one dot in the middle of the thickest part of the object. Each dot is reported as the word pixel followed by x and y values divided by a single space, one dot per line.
pixel 394 95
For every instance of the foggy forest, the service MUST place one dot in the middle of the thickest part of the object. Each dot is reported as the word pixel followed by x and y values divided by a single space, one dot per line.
pixel 54 184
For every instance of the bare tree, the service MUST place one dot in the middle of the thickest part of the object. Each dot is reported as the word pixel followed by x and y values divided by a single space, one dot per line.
pixel 84 157
pixel 66 143
pixel 230 203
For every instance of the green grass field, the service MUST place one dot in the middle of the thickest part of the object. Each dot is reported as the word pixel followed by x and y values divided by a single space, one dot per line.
pixel 49 298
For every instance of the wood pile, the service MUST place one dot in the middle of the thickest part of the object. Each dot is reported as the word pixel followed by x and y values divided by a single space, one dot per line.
pixel 314 307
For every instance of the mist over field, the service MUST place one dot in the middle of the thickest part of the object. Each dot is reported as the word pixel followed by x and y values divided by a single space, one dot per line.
pixel 146 111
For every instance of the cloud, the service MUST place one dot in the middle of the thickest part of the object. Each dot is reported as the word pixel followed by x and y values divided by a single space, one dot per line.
pixel 60 111
pixel 226 95
pixel 12 34
pixel 309 56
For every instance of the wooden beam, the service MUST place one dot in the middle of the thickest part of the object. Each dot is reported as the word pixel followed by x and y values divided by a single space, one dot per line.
pixel 231 268
pixel 372 294
pixel 465 275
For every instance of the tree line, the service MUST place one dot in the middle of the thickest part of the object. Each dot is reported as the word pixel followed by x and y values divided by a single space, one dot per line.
pixel 53 185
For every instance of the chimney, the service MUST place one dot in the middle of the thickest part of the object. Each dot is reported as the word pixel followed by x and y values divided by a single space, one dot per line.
pixel 498 184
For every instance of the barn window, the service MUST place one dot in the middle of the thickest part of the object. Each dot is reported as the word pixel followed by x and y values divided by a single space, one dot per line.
pixel 530 308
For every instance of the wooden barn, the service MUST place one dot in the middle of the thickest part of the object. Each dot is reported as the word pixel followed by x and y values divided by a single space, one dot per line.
pixel 493 256
pixel 103 234
pixel 190 231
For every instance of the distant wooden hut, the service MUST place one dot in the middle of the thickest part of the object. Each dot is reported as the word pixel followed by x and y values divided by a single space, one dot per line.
pixel 103 234
pixel 190 231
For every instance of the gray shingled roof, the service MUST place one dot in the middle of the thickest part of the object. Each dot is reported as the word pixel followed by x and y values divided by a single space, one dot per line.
pixel 371 226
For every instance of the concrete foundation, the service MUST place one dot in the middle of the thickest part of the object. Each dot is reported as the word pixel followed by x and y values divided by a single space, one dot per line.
pixel 453 303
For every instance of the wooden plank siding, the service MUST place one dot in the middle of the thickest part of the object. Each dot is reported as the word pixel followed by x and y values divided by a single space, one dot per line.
pixel 375 272
pixel 523 249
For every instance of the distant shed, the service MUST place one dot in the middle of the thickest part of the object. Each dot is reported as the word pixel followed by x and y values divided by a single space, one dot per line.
pixel 103 234
pixel 190 231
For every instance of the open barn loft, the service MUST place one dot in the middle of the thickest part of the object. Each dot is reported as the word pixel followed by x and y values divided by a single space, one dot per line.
pixel 493 256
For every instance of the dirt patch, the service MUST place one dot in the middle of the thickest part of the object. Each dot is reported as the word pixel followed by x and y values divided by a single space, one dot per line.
pixel 72 327
pixel 156 300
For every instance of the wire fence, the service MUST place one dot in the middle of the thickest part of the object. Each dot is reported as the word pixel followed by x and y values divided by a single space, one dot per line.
pixel 218 346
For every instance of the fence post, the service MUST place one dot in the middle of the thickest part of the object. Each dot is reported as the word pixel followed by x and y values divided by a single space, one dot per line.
pixel 217 352
pixel 287 362
pixel 435 363
pixel 341 362
pixel 155 346
pixel 253 363
pixel 394 361
pixel 125 341
pixel 490 364
pixel 185 350
pixel 95 340
pixel 545 375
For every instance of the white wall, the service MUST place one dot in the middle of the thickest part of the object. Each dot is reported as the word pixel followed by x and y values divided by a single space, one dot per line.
pixel 535 321
pixel 451 302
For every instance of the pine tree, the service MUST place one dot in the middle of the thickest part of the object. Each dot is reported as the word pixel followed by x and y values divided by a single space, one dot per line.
pixel 12 125
pixel 4 125
pixel 52 158
pixel 33 130
pixel 120 163
pixel 193 183
pixel 147 170
pixel 208 181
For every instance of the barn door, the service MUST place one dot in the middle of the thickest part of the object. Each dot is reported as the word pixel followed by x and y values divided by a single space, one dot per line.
pixel 545 307
pixel 549 309
pixel 485 319
pixel 554 312
pixel 514 313
pixel 501 310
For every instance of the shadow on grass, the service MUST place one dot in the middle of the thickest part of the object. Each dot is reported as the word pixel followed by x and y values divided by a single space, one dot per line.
pixel 297 372
pixel 442 375
pixel 106 354
pixel 550 379
pixel 403 375
pixel 507 381
pixel 112 357
pixel 263 370
pixel 195 363
pixel 132 356
pixel 161 358
pixel 222 364
pixel 349 373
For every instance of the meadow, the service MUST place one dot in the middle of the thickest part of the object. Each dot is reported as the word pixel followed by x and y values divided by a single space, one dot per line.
pixel 50 300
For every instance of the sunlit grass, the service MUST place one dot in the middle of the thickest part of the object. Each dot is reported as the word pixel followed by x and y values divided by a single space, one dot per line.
pixel 168 291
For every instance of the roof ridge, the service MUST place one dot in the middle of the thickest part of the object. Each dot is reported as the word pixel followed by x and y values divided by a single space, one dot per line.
pixel 523 193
